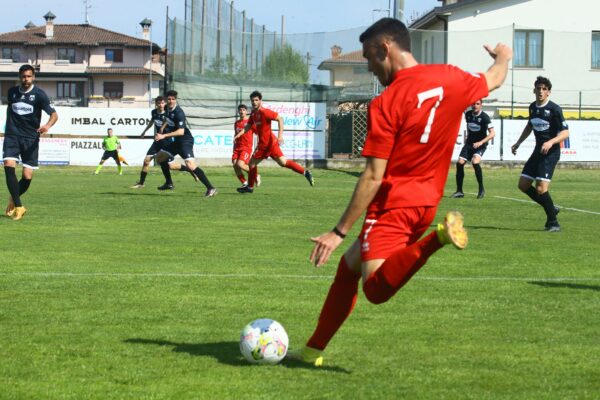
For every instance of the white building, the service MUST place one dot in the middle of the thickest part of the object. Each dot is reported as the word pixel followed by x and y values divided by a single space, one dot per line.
pixel 553 38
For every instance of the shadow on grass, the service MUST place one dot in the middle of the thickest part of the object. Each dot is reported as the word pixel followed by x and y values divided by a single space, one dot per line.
pixel 563 285
pixel 224 352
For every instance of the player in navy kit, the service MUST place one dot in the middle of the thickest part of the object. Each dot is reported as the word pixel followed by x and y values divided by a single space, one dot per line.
pixel 22 136
pixel 480 132
pixel 158 118
pixel 183 145
pixel 548 124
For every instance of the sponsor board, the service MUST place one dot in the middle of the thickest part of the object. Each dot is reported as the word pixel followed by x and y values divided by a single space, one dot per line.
pixel 89 151
pixel 299 116
pixel 51 151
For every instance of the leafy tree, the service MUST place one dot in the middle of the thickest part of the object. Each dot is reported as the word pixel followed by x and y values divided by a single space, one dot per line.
pixel 285 64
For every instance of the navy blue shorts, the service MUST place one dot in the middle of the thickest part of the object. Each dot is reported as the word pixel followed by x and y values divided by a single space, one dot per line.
pixel 468 151
pixel 21 148
pixel 184 147
pixel 158 146
pixel 114 154
pixel 540 167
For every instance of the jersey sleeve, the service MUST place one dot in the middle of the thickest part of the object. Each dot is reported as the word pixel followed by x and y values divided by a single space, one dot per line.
pixel 560 120
pixel 488 122
pixel 179 119
pixel 474 85
pixel 270 114
pixel 44 103
pixel 380 132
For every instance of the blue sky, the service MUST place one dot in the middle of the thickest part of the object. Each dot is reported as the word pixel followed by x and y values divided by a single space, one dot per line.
pixel 124 15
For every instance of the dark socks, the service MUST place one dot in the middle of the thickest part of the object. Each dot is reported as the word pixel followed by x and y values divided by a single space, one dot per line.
pixel 13 185
pixel 184 168
pixel 200 174
pixel 143 177
pixel 166 172
pixel 533 195
pixel 548 205
pixel 478 175
pixel 460 176
pixel 23 186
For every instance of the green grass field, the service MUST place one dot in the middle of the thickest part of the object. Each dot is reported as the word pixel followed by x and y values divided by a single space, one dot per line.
pixel 112 293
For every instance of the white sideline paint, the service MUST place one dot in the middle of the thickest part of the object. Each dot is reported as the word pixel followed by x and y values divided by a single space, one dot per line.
pixel 532 202
pixel 307 277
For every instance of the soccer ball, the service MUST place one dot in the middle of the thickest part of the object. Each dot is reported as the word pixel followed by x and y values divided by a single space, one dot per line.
pixel 264 341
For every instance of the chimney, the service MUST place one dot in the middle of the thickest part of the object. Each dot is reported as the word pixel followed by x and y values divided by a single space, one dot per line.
pixel 49 17
pixel 30 25
pixel 146 23
pixel 336 51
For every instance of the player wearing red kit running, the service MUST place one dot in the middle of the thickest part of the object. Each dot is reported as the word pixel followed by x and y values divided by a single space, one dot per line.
pixel 268 145
pixel 242 147
pixel 412 128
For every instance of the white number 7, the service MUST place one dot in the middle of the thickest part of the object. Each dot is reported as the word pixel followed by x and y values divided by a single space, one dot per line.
pixel 429 94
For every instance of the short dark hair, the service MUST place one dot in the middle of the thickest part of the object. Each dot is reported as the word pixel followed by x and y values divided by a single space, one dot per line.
pixel 172 93
pixel 542 80
pixel 390 27
pixel 109 129
pixel 26 67
pixel 256 93
pixel 158 99
pixel 242 106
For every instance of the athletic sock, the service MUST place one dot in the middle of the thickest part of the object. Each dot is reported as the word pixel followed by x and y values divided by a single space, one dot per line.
pixel 548 205
pixel 13 185
pixel 460 176
pixel 252 177
pixel 143 175
pixel 166 172
pixel 184 168
pixel 399 268
pixel 24 185
pixel 242 179
pixel 478 175
pixel 338 305
pixel 120 168
pixel 533 195
pixel 98 168
pixel 294 166
pixel 200 174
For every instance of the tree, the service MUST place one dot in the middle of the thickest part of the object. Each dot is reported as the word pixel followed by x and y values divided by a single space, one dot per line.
pixel 285 64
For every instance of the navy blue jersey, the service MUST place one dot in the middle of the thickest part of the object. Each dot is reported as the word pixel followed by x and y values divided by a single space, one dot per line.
pixel 547 122
pixel 477 126
pixel 159 119
pixel 176 120
pixel 24 111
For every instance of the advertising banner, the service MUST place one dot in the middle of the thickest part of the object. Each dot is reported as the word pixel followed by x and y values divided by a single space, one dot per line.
pixel 89 151
pixel 52 151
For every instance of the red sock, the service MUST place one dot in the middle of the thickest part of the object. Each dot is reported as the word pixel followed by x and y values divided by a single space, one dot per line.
pixel 252 177
pixel 294 166
pixel 338 305
pixel 399 268
pixel 242 178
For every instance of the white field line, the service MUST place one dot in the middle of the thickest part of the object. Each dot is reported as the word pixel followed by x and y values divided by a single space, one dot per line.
pixel 532 202
pixel 299 277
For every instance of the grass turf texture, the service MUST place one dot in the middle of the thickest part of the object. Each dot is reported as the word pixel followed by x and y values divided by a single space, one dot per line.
pixel 109 292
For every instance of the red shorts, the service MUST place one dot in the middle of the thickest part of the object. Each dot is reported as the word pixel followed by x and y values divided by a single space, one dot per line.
pixel 385 232
pixel 241 154
pixel 272 150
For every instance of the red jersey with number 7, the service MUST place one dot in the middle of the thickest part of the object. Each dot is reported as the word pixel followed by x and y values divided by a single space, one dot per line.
pixel 261 122
pixel 414 124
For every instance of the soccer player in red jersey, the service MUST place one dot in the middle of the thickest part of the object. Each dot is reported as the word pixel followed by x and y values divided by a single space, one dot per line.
pixel 411 130
pixel 268 146
pixel 242 147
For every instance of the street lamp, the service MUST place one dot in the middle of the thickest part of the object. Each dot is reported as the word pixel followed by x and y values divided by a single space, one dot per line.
pixel 146 24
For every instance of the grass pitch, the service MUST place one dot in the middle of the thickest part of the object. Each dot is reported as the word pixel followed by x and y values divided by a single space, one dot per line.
pixel 109 292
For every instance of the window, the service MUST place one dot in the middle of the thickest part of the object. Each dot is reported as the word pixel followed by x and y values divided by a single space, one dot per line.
pixel 66 55
pixel 68 90
pixel 529 46
pixel 595 50
pixel 11 54
pixel 114 55
pixel 113 90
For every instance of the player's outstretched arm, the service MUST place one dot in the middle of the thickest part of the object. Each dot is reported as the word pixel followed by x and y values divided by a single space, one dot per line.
pixel 280 133
pixel 147 127
pixel 496 74
pixel 367 186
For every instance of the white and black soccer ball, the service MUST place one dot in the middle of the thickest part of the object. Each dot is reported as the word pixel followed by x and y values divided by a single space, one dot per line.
pixel 264 341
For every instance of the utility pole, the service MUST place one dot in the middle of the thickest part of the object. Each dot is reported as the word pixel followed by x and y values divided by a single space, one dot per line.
pixel 86 7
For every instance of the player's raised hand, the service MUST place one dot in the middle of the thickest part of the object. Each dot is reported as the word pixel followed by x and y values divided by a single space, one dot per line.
pixel 501 51
pixel 324 246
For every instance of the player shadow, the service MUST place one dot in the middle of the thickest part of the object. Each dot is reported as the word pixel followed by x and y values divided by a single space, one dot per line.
pixel 224 352
pixel 566 285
